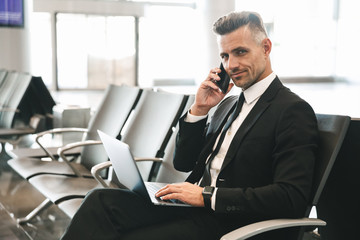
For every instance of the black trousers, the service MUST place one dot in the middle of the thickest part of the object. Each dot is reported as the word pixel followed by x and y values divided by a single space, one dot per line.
pixel 121 214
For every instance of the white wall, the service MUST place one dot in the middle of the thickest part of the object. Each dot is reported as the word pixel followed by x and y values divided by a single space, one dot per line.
pixel 210 12
pixel 15 44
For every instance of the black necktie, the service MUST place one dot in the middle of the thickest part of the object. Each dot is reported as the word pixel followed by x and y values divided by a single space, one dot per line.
pixel 206 181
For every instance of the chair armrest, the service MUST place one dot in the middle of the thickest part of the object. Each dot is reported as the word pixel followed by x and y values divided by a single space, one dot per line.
pixel 67 147
pixel 97 168
pixel 265 226
pixel 9 110
pixel 52 131
pixel 12 135
pixel 149 159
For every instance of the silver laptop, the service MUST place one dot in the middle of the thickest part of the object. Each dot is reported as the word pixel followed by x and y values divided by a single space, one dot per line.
pixel 128 173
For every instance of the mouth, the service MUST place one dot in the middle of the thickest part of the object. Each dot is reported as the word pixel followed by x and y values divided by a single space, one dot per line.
pixel 238 74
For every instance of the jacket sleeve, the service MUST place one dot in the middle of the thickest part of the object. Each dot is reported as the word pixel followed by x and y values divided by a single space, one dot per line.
pixel 189 143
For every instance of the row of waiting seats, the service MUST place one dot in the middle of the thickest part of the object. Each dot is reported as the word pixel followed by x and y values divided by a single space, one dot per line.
pixel 25 105
pixel 145 119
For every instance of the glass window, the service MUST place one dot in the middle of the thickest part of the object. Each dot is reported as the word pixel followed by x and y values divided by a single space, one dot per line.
pixel 166 1
pixel 41 50
pixel 94 51
pixel 168 45
pixel 303 34
pixel 348 35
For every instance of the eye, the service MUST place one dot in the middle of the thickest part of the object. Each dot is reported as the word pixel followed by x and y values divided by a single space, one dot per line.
pixel 224 56
pixel 241 52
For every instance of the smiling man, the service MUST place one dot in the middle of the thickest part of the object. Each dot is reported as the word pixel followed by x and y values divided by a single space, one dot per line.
pixel 253 162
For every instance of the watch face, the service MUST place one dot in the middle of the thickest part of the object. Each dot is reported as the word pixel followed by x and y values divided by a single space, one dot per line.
pixel 208 190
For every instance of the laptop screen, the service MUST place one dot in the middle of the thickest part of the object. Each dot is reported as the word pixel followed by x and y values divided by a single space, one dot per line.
pixel 124 165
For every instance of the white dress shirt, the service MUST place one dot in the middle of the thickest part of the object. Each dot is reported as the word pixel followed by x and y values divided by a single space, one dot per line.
pixel 252 95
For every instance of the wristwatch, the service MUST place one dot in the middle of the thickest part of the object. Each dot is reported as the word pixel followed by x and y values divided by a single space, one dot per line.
pixel 207 194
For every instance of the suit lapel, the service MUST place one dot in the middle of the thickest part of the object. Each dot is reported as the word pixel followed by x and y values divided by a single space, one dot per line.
pixel 217 123
pixel 262 104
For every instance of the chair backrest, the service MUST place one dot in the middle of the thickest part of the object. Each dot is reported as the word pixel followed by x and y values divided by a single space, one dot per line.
pixel 332 131
pixel 167 173
pixel 37 100
pixel 339 202
pixel 15 95
pixel 110 117
pixel 151 124
pixel 9 83
pixel 2 76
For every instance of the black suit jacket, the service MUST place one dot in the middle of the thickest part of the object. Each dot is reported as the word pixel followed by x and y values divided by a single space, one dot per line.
pixel 268 169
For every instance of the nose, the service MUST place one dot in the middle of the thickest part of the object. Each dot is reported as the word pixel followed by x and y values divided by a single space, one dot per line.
pixel 232 63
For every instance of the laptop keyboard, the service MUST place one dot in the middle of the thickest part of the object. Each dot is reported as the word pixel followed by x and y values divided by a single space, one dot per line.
pixel 153 187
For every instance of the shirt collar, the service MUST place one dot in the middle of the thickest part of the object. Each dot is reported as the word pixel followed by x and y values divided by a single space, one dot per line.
pixel 256 90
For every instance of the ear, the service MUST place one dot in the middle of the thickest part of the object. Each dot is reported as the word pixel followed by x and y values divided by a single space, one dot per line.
pixel 267 45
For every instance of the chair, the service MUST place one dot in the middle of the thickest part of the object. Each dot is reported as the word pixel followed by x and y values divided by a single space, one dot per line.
pixel 339 202
pixel 147 132
pixel 332 131
pixel 51 152
pixel 7 86
pixel 112 113
pixel 14 136
pixel 12 91
pixel 37 100
pixel 166 172
pixel 22 98
pixel 15 120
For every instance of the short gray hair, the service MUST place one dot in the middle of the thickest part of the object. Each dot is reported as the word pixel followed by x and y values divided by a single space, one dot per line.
pixel 235 20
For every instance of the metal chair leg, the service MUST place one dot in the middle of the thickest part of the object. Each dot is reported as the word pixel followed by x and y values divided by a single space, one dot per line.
pixel 3 154
pixel 44 205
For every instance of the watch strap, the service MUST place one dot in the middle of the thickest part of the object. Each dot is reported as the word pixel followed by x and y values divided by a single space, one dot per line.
pixel 207 194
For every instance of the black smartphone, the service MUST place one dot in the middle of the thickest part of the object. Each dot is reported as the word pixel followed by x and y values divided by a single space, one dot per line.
pixel 224 81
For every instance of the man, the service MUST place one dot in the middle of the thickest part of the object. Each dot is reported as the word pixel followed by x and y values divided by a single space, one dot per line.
pixel 260 168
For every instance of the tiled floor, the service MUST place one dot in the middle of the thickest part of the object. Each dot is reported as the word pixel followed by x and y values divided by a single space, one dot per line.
pixel 18 197
pixel 8 230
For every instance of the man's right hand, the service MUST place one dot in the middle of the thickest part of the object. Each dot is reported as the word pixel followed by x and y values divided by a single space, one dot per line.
pixel 208 94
